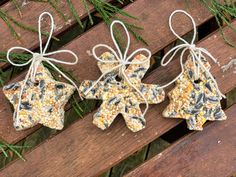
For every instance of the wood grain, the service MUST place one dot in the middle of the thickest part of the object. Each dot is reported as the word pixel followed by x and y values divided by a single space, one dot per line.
pixel 156 32
pixel 209 153
pixel 84 150
pixel 30 13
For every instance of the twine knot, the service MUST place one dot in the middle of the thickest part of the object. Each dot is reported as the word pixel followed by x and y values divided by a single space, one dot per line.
pixel 192 47
pixel 37 57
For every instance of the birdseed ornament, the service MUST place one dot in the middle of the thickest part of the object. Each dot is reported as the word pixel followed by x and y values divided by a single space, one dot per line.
pixel 196 96
pixel 39 98
pixel 122 96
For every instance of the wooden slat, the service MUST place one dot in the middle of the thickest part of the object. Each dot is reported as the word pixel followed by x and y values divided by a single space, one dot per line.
pixel 155 32
pixel 84 150
pixel 208 153
pixel 30 13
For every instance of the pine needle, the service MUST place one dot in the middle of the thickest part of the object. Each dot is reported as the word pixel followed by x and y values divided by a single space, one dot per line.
pixel 2 78
pixel 88 12
pixel 78 112
pixel 223 13
pixel 107 11
pixel 21 58
pixel 6 19
pixel 12 30
pixel 58 10
pixel 74 13
pixel 4 146
pixel 17 7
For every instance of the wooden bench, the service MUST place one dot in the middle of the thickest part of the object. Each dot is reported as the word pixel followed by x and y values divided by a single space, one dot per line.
pixel 83 150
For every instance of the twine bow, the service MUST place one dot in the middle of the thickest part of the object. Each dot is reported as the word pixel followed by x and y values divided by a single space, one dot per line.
pixel 121 59
pixel 37 59
pixel 196 54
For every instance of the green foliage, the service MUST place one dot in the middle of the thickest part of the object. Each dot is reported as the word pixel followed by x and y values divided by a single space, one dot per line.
pixel 75 14
pixel 16 57
pixel 223 13
pixel 22 58
pixel 7 148
pixel 106 10
pixel 8 20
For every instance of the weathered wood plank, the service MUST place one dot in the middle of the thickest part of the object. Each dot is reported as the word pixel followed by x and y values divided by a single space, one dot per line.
pixel 138 157
pixel 155 32
pixel 29 40
pixel 30 13
pixel 208 153
pixel 87 151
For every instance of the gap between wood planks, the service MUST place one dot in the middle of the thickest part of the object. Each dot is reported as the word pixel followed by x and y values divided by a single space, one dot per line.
pixel 3 2
pixel 207 153
pixel 32 7
pixel 79 143
pixel 172 135
pixel 156 32
pixel 29 131
pixel 159 145
pixel 31 11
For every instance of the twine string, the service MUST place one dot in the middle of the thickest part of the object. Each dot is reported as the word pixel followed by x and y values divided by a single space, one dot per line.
pixel 122 60
pixel 38 58
pixel 196 53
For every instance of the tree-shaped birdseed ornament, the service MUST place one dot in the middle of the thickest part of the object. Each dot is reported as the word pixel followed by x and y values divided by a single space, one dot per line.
pixel 39 98
pixel 122 96
pixel 196 96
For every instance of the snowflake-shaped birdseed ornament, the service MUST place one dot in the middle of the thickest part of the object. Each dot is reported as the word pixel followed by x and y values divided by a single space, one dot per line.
pixel 124 95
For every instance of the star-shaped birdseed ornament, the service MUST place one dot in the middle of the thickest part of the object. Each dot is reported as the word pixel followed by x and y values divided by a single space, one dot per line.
pixel 195 100
pixel 39 98
pixel 42 101
pixel 119 97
